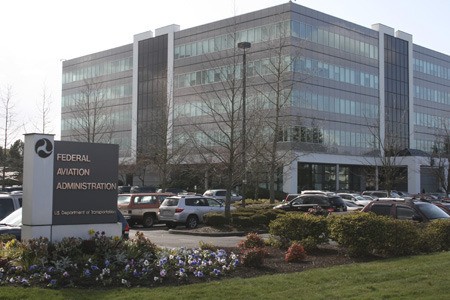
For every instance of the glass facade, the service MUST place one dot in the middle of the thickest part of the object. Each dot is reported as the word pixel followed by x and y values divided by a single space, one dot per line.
pixel 396 94
pixel 106 78
pixel 152 95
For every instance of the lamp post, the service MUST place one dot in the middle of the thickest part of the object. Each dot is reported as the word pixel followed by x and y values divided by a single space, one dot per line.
pixel 244 46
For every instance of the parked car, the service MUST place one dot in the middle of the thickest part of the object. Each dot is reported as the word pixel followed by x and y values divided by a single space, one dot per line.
pixel 188 210
pixel 355 198
pixel 289 197
pixel 220 194
pixel 352 206
pixel 319 192
pixel 172 190
pixel 444 206
pixel 141 208
pixel 13 188
pixel 381 194
pixel 304 202
pixel 370 198
pixel 406 210
pixel 122 189
pixel 12 224
pixel 142 189
pixel 9 202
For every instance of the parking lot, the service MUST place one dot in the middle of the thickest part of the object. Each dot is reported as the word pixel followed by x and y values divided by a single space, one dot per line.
pixel 159 234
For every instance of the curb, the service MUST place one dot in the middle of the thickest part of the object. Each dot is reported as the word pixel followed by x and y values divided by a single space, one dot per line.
pixel 216 234
pixel 212 234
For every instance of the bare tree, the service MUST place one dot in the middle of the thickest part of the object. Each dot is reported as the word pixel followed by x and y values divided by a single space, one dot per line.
pixel 440 156
pixel 388 155
pixel 90 114
pixel 276 90
pixel 216 134
pixel 44 109
pixel 8 121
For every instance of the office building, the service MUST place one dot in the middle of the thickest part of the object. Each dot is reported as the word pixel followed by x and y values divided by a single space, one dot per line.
pixel 349 96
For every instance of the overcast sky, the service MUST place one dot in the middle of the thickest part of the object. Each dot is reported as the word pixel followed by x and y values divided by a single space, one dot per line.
pixel 37 35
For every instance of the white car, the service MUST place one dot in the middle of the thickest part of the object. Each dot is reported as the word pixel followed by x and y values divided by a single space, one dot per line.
pixel 188 210
pixel 355 198
pixel 220 194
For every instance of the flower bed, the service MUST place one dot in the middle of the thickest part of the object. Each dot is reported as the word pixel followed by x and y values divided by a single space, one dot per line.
pixel 108 261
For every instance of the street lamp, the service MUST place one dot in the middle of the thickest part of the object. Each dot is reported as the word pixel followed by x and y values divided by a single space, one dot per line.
pixel 244 46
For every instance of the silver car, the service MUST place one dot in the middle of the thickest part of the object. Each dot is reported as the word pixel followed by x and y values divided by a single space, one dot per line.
pixel 221 194
pixel 187 209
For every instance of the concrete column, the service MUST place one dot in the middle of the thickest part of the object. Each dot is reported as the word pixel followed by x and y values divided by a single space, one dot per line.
pixel 290 178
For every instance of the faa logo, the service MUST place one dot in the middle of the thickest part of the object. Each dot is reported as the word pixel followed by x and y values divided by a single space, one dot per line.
pixel 43 148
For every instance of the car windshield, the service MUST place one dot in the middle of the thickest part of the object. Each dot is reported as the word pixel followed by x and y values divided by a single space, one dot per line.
pixel 432 211
pixel 123 199
pixel 337 201
pixel 170 202
pixel 360 198
pixel 15 218
pixel 351 204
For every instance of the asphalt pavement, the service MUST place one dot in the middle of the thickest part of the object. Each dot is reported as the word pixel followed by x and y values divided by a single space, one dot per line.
pixel 161 236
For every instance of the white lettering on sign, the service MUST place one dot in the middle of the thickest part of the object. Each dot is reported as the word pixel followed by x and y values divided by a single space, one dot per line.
pixel 72 157
pixel 86 186
pixel 73 172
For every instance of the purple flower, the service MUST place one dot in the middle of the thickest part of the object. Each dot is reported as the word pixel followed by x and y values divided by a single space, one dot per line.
pixel 198 274
pixel 87 273
pixel 163 273
pixel 52 283
pixel 33 268
pixel 136 273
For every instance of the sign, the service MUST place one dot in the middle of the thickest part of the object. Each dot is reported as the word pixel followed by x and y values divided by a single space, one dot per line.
pixel 84 182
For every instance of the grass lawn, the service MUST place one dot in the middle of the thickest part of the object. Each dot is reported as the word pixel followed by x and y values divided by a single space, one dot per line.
pixel 417 277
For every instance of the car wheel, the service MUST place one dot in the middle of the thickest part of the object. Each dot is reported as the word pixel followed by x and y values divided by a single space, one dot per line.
pixel 192 222
pixel 148 221
pixel 171 225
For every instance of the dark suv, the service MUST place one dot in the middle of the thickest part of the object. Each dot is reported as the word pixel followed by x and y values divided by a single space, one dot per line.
pixel 406 210
pixel 307 201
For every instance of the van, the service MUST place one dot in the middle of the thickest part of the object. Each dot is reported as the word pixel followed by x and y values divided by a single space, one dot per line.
pixel 141 208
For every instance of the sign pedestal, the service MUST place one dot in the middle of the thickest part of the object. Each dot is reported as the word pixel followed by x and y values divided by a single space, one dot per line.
pixel 62 197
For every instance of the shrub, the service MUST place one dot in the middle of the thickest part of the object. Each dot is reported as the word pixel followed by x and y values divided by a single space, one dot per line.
pixel 295 253
pixel 207 246
pixel 435 236
pixel 401 238
pixel 243 222
pixel 299 226
pixel 366 234
pixel 215 219
pixel 358 232
pixel 253 257
pixel 6 237
pixel 259 220
pixel 252 240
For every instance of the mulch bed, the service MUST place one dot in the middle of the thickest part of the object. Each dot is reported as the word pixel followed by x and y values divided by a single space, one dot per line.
pixel 274 263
